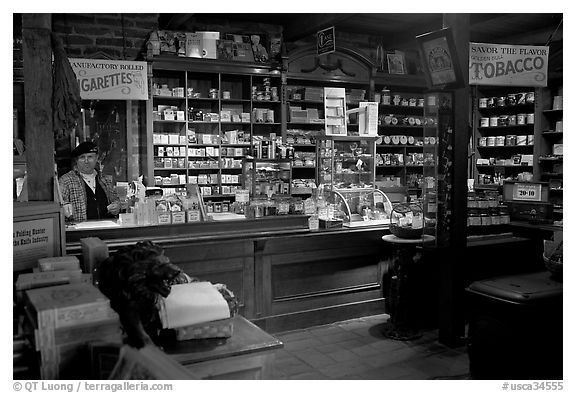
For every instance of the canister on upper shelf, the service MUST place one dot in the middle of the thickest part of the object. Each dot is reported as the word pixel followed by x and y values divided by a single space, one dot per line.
pixel 521 118
pixel 483 102
pixel 530 118
pixel 530 97
pixel 511 99
pixel 494 121
pixel 500 101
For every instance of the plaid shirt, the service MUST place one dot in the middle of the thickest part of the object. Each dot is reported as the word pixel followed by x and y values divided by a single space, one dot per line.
pixel 73 191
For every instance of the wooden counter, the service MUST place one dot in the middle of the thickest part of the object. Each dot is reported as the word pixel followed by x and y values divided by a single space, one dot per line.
pixel 285 276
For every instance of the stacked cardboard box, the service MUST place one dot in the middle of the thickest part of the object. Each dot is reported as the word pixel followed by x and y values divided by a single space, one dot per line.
pixel 65 318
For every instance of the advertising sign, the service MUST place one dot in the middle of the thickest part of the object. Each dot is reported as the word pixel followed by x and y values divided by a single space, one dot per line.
pixel 326 41
pixel 111 79
pixel 33 240
pixel 508 65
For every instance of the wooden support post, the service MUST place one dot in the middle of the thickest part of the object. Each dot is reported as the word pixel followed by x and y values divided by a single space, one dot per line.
pixel 37 58
pixel 451 321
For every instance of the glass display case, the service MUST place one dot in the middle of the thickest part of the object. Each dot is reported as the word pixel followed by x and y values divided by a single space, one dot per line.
pixel 266 177
pixel 346 179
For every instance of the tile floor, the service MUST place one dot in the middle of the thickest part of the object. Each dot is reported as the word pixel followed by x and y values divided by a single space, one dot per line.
pixel 356 349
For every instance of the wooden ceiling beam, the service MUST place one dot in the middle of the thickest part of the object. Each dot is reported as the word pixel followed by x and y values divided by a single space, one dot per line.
pixel 308 24
pixel 178 21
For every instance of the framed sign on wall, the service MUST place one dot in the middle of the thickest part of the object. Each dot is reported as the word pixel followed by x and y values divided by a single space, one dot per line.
pixel 439 59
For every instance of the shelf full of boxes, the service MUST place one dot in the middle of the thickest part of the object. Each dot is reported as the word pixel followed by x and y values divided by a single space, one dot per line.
pixel 205 124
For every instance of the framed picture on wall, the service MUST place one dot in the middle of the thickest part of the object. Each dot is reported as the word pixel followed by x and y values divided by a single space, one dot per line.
pixel 439 59
pixel 396 63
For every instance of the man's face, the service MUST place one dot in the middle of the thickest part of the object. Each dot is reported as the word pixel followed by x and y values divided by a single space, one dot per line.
pixel 87 162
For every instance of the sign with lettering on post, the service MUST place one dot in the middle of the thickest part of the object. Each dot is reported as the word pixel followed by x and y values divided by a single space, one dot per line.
pixel 111 79
pixel 508 65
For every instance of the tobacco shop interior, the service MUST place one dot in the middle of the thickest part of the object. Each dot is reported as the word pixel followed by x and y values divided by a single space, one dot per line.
pixel 288 196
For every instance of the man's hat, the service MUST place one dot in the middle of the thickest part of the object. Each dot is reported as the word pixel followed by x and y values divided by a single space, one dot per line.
pixel 83 148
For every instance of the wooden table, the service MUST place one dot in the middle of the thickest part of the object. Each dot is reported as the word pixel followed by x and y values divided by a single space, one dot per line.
pixel 248 354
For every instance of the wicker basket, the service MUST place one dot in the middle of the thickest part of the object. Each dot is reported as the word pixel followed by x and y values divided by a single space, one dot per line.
pixel 554 267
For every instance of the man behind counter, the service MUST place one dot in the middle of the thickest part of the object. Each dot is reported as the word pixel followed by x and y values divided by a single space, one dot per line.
pixel 91 195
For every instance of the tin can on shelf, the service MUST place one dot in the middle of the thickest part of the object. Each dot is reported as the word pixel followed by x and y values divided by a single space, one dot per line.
pixel 491 103
pixel 483 102
pixel 530 97
pixel 386 97
pixel 530 140
pixel 213 93
pixel 412 101
pixel 500 101
pixel 502 120
pixel 420 102
pixel 491 141
pixel 521 119
pixel 511 100
pixel 226 95
pixel 494 121
pixel 510 140
pixel 500 139
pixel 530 118
pixel 521 140
pixel 482 141
pixel 511 120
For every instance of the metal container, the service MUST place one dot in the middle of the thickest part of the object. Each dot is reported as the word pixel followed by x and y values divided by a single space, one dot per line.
pixel 530 97
pixel 494 121
pixel 500 140
pixel 530 140
pixel 500 101
pixel 482 141
pixel 521 119
pixel 510 140
pixel 483 102
pixel 502 120
pixel 530 118
pixel 491 141
pixel 511 100
pixel 512 120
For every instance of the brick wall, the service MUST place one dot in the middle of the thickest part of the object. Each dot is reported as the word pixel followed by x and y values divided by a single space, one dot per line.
pixel 119 36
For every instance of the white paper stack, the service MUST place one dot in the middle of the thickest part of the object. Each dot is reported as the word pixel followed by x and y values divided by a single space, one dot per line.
pixel 192 303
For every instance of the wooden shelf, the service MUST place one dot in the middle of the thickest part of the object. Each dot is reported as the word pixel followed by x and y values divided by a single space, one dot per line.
pixel 552 111
pixel 401 146
pixel 169 98
pixel 515 127
pixel 504 166
pixel 551 174
pixel 170 121
pixel 506 147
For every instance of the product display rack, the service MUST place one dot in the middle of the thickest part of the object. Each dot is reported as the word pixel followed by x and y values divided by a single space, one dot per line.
pixel 215 134
pixel 550 162
pixel 504 133
pixel 400 157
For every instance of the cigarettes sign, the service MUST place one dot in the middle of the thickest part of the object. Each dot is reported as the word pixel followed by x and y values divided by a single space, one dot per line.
pixel 508 65
pixel 111 79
